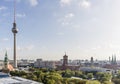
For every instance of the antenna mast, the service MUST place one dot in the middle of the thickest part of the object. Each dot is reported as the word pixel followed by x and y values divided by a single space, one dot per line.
pixel 14 11
pixel 14 31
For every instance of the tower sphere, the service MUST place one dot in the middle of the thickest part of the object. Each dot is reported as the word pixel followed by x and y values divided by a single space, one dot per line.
pixel 14 29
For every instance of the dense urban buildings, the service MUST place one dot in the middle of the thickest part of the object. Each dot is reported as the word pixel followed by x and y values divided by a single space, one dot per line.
pixel 66 63
pixel 63 64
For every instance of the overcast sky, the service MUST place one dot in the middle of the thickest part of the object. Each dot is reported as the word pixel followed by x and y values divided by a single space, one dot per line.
pixel 49 28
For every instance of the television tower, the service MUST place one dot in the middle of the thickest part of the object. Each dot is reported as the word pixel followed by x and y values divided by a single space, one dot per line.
pixel 14 31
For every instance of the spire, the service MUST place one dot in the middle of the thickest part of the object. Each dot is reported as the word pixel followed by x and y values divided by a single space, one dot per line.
pixel 112 59
pixel 6 54
pixel 5 69
pixel 65 54
pixel 6 58
pixel 115 59
pixel 109 59
pixel 14 29
pixel 14 11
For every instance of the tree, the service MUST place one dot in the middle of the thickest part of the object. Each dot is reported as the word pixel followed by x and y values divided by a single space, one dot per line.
pixel 90 75
pixel 68 73
pixel 52 78
pixel 78 74
pixel 103 76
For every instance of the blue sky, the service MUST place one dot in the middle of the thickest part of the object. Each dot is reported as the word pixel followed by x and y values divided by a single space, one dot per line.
pixel 48 28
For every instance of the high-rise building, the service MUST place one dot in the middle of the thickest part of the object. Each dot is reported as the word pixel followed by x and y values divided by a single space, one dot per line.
pixel 92 61
pixel 114 61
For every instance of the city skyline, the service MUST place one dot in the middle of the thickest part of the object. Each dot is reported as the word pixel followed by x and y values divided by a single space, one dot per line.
pixel 81 28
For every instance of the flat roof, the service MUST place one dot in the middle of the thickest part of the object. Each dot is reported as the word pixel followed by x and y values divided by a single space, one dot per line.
pixel 17 80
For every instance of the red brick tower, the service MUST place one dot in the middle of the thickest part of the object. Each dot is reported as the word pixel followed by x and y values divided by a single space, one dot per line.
pixel 65 60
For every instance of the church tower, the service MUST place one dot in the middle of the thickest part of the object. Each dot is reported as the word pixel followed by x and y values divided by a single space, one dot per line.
pixel 7 67
pixel 6 61
pixel 92 61
pixel 114 61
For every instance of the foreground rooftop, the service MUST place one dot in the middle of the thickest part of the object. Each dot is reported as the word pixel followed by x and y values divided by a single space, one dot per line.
pixel 16 80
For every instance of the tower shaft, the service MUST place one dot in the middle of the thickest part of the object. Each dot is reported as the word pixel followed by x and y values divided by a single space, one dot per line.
pixel 15 60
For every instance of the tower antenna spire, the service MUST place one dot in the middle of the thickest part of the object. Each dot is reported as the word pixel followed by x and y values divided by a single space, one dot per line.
pixel 14 11
pixel 14 31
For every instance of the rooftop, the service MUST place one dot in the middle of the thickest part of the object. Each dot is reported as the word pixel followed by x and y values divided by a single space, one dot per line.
pixel 16 80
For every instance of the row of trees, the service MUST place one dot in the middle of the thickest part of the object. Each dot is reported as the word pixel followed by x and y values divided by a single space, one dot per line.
pixel 47 76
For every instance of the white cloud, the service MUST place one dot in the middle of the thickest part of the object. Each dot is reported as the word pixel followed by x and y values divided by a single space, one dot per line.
pixel 85 4
pixel 66 20
pixel 69 15
pixel 65 2
pixel 33 2
pixel 21 15
pixel 3 8
pixel 80 3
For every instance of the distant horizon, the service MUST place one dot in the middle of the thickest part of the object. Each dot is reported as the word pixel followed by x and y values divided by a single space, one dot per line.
pixel 68 59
